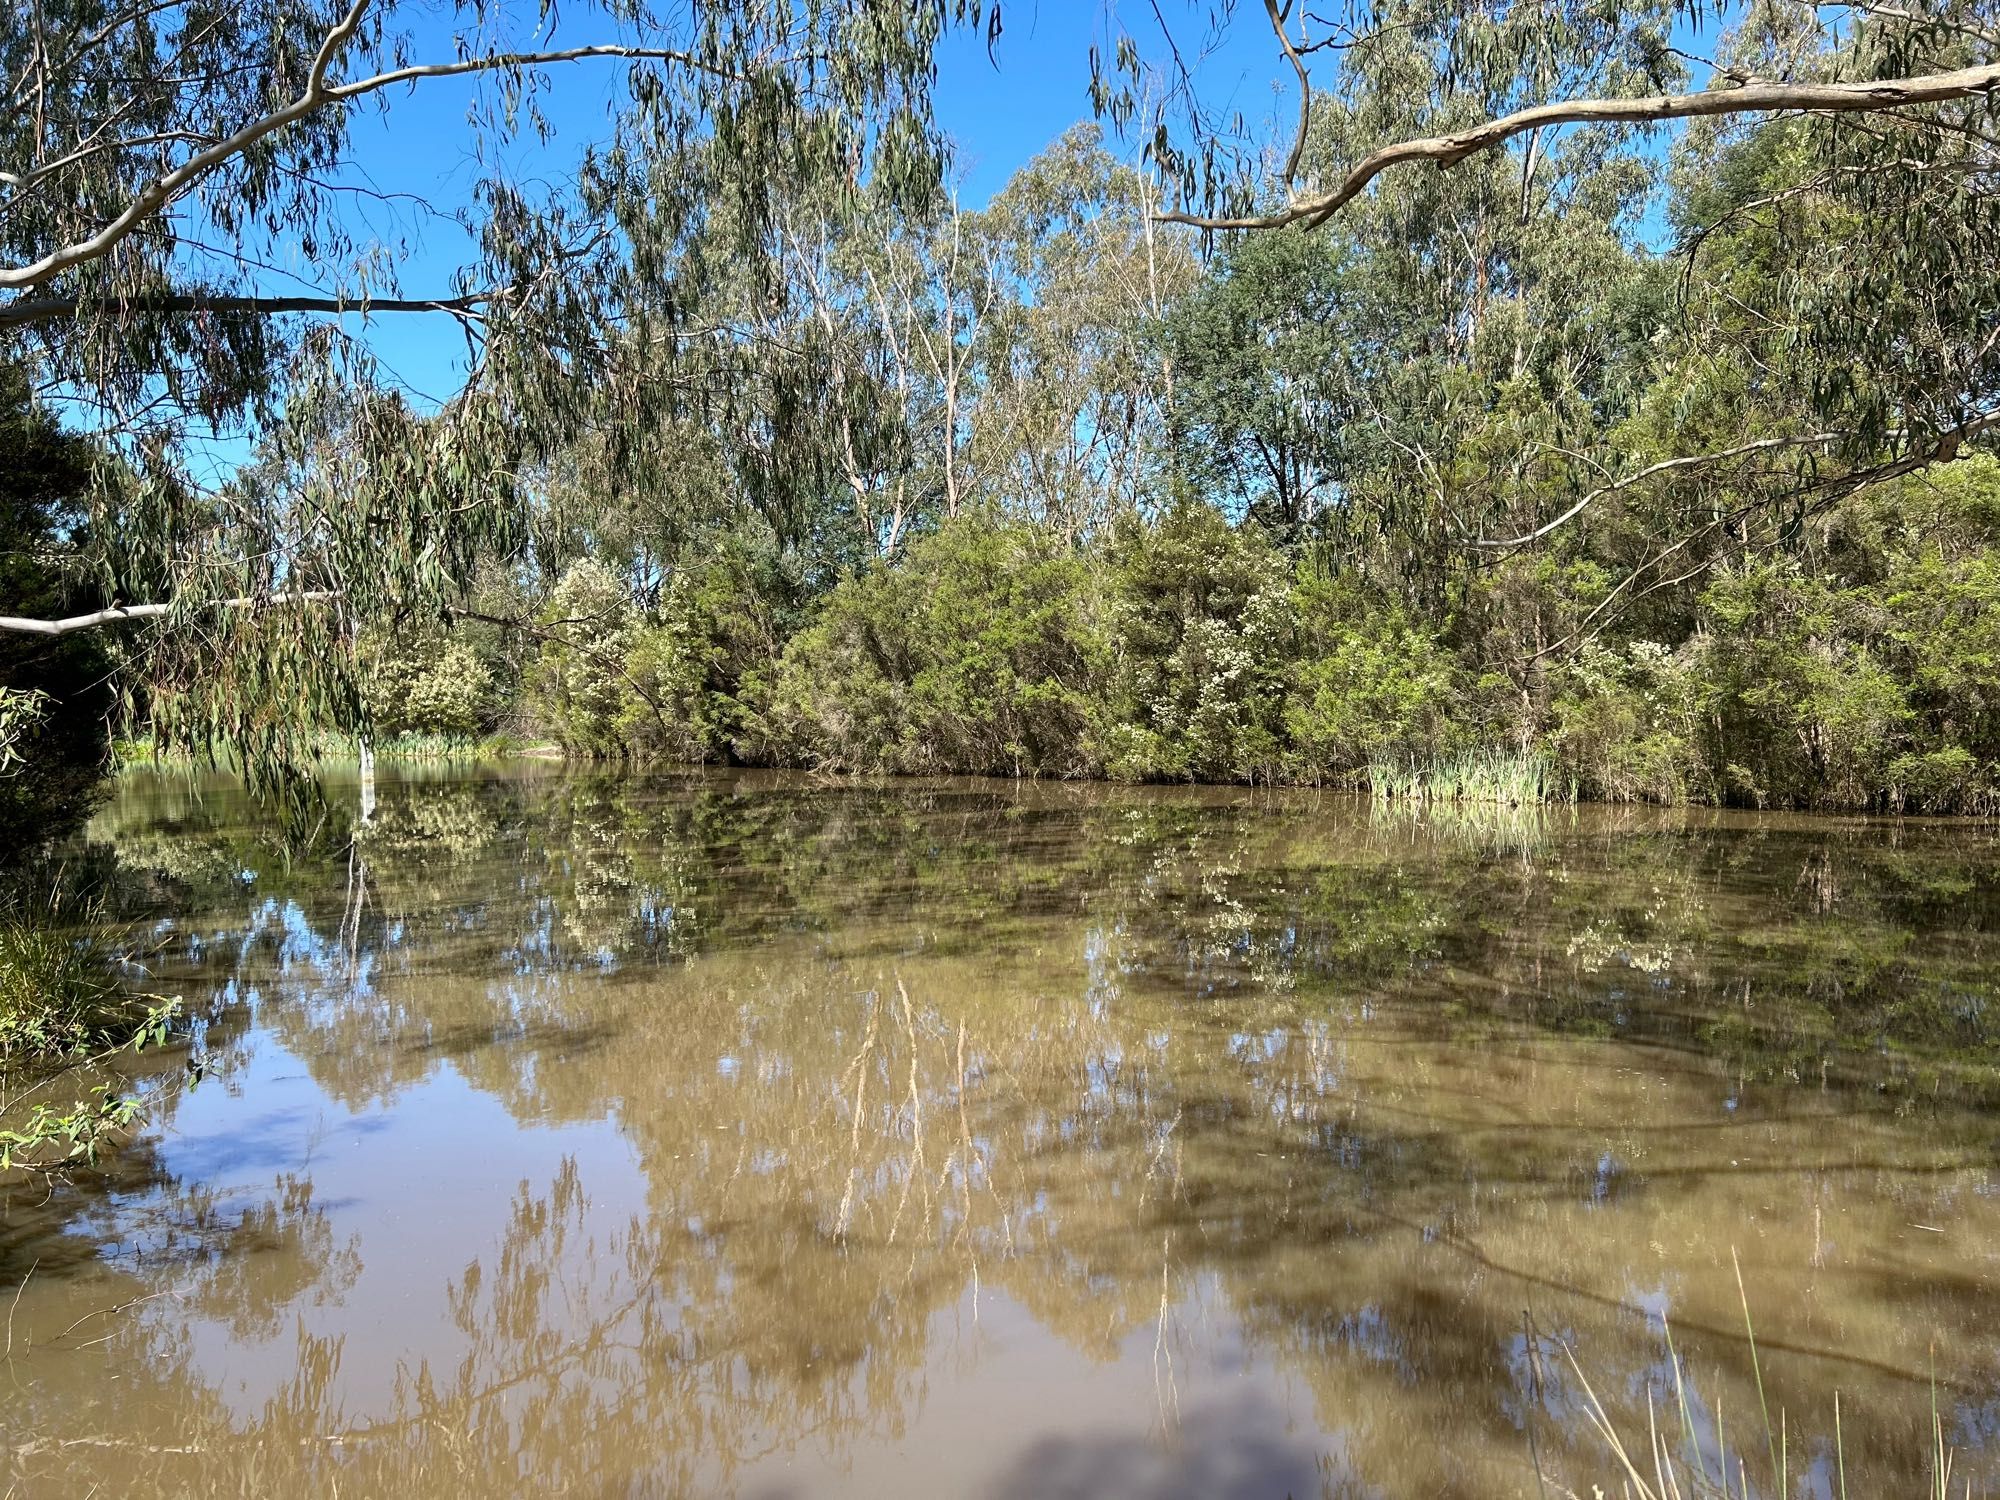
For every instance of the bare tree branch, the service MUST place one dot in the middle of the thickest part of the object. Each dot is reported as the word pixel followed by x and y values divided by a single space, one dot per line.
pixel 1754 98
pixel 51 309
pixel 318 94
pixel 1949 447
pixel 501 61
pixel 1278 18
pixel 1665 466
pixel 22 181
pixel 21 625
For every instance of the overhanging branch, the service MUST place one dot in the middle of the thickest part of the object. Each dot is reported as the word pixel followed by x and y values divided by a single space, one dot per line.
pixel 1753 98
pixel 1947 446
pixel 54 309
pixel 319 93
pixel 22 625
pixel 1814 499
pixel 1665 466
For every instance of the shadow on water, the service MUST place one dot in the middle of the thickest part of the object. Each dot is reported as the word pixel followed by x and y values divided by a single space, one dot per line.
pixel 733 1134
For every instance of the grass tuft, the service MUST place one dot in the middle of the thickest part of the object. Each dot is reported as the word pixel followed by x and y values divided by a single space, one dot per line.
pixel 60 992
pixel 1503 777
pixel 64 1007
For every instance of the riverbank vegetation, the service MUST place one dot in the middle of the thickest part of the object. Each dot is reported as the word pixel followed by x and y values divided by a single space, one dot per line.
pixel 1859 671
pixel 1609 462
pixel 67 1003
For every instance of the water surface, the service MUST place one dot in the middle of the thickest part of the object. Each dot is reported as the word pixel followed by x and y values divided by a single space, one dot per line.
pixel 739 1135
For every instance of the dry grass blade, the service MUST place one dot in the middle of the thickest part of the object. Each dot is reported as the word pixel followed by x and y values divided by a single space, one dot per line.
pixel 1601 1420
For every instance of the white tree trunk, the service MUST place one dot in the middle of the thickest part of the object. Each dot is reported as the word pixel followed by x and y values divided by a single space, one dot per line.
pixel 367 782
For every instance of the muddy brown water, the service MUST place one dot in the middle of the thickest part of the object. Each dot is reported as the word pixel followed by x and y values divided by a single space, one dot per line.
pixel 740 1135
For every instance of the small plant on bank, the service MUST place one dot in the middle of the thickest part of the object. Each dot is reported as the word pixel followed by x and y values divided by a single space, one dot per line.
pixel 64 1007
pixel 59 990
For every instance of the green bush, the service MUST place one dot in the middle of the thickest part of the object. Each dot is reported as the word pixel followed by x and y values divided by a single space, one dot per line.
pixel 1368 686
pixel 424 682
pixel 62 1002
pixel 1829 694
pixel 1860 667
pixel 698 667
pixel 61 994
pixel 1625 723
pixel 980 651
pixel 1200 615
pixel 578 690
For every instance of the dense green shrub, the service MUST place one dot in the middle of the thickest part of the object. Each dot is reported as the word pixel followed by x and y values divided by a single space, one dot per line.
pixel 1625 723
pixel 1865 669
pixel 698 668
pixel 59 989
pixel 579 692
pixel 1366 685
pixel 1200 618
pixel 426 682
pixel 1807 711
pixel 982 650
pixel 1858 668
pixel 64 1004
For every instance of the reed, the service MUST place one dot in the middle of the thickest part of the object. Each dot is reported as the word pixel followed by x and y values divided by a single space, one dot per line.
pixel 65 1006
pixel 59 987
pixel 331 749
pixel 1502 777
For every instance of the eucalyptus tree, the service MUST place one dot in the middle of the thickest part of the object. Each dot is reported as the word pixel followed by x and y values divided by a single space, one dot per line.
pixel 1490 75
pixel 1265 391
pixel 1836 319
pixel 163 166
pixel 1007 348
pixel 1071 425
pixel 1416 375
pixel 904 298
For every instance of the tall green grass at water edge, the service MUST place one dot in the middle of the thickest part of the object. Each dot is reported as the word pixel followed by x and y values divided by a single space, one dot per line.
pixel 65 1007
pixel 59 989
pixel 1496 776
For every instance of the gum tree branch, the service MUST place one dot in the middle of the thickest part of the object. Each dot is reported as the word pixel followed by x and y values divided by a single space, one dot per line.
pixel 168 186
pixel 1948 446
pixel 1278 18
pixel 54 309
pixel 1753 98
pixel 1665 466
pixel 317 95
pixel 22 625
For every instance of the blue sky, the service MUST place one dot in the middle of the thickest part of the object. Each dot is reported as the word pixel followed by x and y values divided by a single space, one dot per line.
pixel 1000 112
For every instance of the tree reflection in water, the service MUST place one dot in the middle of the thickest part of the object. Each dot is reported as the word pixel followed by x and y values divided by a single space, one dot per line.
pixel 684 1137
